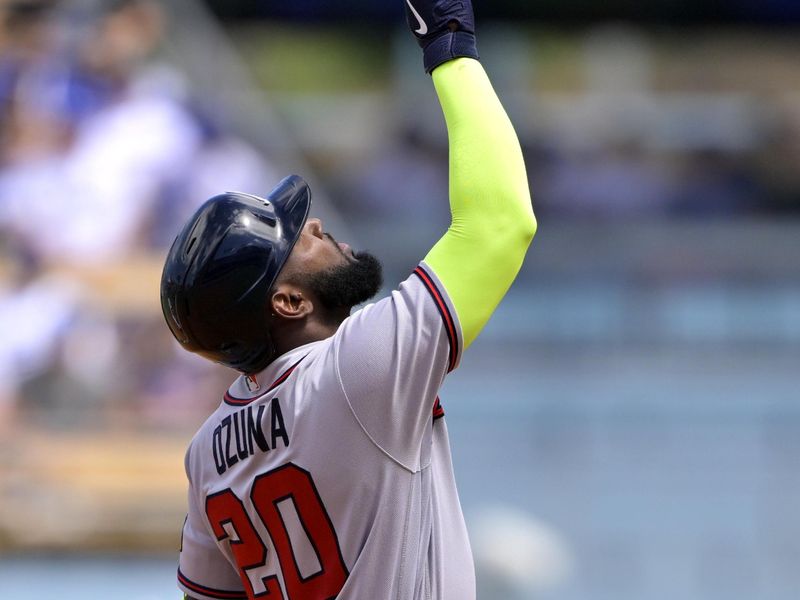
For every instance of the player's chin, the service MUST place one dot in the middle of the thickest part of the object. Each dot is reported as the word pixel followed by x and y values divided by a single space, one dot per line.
pixel 349 284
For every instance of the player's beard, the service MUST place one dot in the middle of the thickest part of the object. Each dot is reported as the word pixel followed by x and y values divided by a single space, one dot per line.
pixel 345 286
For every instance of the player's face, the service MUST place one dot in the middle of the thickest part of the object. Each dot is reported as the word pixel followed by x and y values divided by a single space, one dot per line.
pixel 330 270
pixel 316 250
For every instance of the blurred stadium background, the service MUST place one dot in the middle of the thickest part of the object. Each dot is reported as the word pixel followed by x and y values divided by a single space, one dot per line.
pixel 628 427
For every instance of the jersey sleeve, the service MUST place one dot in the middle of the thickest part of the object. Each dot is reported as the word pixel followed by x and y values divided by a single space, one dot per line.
pixel 204 572
pixel 392 357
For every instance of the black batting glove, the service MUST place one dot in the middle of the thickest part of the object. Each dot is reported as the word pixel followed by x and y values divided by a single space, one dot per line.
pixel 445 29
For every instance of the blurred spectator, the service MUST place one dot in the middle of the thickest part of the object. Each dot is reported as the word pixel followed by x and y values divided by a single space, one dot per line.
pixel 103 154
pixel 36 310
pixel 86 181
pixel 88 200
pixel 34 83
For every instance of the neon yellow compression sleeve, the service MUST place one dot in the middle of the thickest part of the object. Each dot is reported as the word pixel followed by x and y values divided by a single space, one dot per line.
pixel 492 218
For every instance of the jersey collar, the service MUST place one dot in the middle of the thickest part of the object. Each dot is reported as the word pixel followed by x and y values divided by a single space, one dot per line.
pixel 250 387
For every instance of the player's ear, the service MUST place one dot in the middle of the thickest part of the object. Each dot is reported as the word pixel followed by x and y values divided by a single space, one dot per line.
pixel 289 302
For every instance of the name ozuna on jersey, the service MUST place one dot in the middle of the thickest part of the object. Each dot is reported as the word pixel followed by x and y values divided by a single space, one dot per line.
pixel 239 435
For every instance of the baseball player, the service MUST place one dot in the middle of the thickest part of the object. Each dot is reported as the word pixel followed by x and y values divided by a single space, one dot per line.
pixel 326 470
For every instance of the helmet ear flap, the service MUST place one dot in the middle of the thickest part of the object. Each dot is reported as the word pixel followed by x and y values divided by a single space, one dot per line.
pixel 218 273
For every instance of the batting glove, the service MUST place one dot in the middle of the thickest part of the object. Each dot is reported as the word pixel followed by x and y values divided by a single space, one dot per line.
pixel 445 29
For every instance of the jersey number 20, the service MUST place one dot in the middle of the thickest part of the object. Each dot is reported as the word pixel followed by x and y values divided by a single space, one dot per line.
pixel 226 512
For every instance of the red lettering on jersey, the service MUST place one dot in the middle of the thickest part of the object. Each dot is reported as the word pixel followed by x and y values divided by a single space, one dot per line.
pixel 224 508
pixel 287 482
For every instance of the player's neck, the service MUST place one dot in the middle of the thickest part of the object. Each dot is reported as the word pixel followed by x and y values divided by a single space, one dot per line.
pixel 311 330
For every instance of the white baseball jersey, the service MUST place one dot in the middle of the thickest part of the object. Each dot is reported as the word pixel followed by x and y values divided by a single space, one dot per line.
pixel 328 475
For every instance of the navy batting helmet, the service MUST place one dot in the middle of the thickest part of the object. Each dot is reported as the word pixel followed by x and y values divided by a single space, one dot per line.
pixel 221 267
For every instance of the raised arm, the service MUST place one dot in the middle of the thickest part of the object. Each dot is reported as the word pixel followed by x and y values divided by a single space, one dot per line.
pixel 492 219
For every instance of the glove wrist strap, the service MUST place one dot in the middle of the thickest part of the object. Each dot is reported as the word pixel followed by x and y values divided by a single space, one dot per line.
pixel 453 44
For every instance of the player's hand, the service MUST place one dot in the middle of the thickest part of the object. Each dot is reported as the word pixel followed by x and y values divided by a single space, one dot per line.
pixel 445 29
